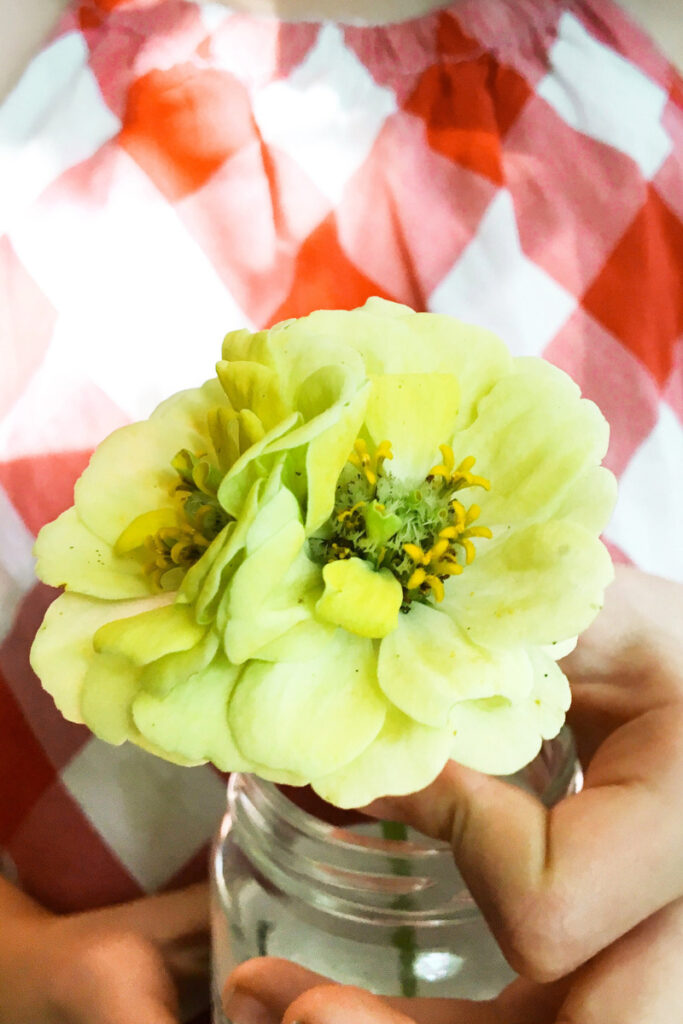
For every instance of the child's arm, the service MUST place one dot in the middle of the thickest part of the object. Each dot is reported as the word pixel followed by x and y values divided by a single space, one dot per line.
pixel 108 966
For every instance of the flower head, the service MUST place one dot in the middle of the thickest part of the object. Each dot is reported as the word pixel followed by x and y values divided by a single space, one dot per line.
pixel 355 553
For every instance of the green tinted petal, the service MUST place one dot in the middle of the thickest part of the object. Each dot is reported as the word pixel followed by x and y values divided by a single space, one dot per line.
pixel 130 473
pixel 326 456
pixel 69 555
pixel 63 648
pixel 309 717
pixel 360 599
pixel 542 584
pixel 494 735
pixel 500 737
pixel 109 688
pixel 159 677
pixel 150 635
pixel 253 386
pixel 532 438
pixel 267 599
pixel 426 666
pixel 403 758
pixel 416 412
pixel 192 718
pixel 590 500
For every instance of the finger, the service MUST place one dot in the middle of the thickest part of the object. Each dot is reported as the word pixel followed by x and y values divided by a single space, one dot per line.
pixel 558 886
pixel 636 980
pixel 170 918
pixel 262 991
pixel 339 1004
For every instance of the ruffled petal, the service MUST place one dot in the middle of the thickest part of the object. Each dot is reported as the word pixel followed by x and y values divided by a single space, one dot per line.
pixel 542 584
pixel 416 412
pixel 192 718
pixel 427 666
pixel 150 635
pixel 70 555
pixel 500 737
pixel 111 684
pixel 360 599
pixel 590 500
pixel 532 438
pixel 63 648
pixel 404 757
pixel 309 717
pixel 130 473
pixel 267 595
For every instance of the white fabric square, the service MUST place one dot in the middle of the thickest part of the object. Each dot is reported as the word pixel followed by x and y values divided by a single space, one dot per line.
pixel 600 93
pixel 493 284
pixel 16 561
pixel 152 814
pixel 646 523
pixel 147 316
pixel 327 114
pixel 53 119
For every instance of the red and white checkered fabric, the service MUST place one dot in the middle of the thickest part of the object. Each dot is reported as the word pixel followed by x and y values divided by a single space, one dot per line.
pixel 172 170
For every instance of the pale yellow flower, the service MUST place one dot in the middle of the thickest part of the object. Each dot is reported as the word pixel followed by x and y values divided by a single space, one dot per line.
pixel 355 554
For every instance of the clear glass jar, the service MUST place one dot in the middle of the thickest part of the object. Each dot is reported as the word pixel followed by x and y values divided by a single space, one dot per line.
pixel 390 914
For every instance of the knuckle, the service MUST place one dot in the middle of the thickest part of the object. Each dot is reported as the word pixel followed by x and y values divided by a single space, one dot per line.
pixel 317 999
pixel 542 944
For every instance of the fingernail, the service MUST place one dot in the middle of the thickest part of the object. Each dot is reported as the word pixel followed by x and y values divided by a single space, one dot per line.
pixel 241 1008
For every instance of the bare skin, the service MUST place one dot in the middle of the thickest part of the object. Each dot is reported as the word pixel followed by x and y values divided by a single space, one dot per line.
pixel 24 24
pixel 585 900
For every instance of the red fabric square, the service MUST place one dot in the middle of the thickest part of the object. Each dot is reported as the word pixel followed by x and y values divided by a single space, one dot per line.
pixel 59 739
pixel 467 107
pixel 573 196
pixel 325 278
pixel 41 487
pixel 26 322
pixel 397 232
pixel 25 771
pixel 613 378
pixel 175 125
pixel 639 294
pixel 50 849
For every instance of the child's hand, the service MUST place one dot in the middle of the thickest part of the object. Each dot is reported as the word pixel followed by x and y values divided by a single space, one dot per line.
pixel 111 966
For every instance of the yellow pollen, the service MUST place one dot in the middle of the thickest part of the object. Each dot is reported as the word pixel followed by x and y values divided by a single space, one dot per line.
pixel 436 587
pixel 370 465
pixel 417 579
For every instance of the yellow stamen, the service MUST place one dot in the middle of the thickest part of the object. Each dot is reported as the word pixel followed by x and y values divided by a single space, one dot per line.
pixel 370 465
pixel 436 587
pixel 416 553
pixel 417 579
pixel 439 549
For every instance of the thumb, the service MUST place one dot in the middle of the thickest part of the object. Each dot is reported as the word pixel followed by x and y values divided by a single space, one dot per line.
pixel 558 886
pixel 497 834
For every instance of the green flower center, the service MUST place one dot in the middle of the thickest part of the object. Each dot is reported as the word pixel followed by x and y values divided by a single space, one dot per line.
pixel 173 549
pixel 424 535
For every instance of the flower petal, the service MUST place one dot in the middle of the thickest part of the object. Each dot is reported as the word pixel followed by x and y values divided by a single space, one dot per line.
pixel 533 436
pixel 70 555
pixel 130 472
pixel 538 585
pixel 150 635
pixel 360 599
pixel 500 737
pixel 405 756
pixel 313 716
pixel 427 666
pixel 63 648
pixel 192 718
pixel 590 500
pixel 111 684
pixel 416 412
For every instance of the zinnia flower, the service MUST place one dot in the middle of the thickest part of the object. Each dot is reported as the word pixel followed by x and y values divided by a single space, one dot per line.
pixel 354 554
